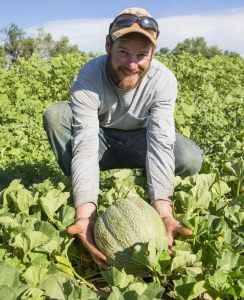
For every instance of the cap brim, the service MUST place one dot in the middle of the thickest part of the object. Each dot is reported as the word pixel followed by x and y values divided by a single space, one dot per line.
pixel 150 34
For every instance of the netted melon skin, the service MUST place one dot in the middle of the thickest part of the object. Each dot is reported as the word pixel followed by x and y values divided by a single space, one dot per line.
pixel 123 225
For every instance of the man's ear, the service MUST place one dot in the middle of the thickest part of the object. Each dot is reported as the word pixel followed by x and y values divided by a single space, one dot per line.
pixel 108 44
pixel 153 50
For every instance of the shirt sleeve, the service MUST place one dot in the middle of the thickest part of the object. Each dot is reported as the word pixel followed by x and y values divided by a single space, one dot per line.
pixel 85 142
pixel 160 161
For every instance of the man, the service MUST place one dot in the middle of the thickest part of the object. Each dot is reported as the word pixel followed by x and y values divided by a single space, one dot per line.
pixel 121 116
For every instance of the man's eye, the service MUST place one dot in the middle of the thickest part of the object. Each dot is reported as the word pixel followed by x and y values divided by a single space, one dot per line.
pixel 122 52
pixel 141 56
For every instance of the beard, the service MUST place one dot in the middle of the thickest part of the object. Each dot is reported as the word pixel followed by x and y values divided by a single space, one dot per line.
pixel 123 77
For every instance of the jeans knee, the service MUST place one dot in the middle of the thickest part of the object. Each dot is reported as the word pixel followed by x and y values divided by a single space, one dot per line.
pixel 54 115
pixel 194 163
pixel 190 161
pixel 49 118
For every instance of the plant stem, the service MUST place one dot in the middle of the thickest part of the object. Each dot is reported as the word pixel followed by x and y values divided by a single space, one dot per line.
pixel 238 188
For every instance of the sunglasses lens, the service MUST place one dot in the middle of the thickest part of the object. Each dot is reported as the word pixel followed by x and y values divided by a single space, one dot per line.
pixel 126 20
pixel 150 24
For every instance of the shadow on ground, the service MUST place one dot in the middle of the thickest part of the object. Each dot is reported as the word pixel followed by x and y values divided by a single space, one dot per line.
pixel 30 174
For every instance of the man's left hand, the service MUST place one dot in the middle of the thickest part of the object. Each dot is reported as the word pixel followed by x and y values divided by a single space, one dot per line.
pixel 164 208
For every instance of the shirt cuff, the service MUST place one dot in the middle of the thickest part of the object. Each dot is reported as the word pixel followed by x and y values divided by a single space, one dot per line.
pixel 163 193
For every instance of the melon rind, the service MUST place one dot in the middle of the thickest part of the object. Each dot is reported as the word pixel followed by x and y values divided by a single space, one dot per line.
pixel 124 224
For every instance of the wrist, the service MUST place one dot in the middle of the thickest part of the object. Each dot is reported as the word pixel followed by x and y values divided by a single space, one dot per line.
pixel 163 207
pixel 86 211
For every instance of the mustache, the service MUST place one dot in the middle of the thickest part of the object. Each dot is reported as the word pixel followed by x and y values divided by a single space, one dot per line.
pixel 129 71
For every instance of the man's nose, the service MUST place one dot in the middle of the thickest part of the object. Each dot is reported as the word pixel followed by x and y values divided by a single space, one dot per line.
pixel 132 63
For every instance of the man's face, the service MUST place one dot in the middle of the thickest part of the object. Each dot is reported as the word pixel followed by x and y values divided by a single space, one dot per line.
pixel 129 60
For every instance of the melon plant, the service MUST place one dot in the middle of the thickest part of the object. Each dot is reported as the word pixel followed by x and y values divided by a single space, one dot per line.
pixel 125 224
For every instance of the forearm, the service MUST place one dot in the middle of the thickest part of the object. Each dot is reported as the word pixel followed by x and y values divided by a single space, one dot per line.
pixel 160 170
pixel 85 180
pixel 160 163
pixel 85 144
pixel 84 167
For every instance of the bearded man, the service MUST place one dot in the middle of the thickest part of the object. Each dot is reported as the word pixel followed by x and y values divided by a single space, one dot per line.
pixel 121 115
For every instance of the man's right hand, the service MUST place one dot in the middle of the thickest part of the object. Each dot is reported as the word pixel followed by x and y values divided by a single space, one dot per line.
pixel 84 228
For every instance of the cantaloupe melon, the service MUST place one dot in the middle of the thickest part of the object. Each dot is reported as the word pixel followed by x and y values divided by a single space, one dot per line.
pixel 123 225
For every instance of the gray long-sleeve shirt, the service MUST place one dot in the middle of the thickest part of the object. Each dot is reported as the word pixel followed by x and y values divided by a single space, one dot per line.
pixel 97 101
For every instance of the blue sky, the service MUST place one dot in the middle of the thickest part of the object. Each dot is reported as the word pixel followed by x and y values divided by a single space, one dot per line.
pixel 220 22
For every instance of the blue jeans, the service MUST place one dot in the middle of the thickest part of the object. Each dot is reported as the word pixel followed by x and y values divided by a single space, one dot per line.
pixel 117 148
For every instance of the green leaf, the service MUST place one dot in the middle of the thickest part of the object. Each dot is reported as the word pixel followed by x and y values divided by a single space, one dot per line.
pixel 34 275
pixel 133 295
pixel 30 240
pixel 49 247
pixel 154 291
pixel 235 214
pixel 205 180
pixel 193 271
pixel 198 289
pixel 20 196
pixel 114 277
pixel 66 216
pixel 138 287
pixel 47 228
pixel 219 189
pixel 186 131
pixel 163 264
pixel 145 254
pixel 182 259
pixel 52 202
pixel 9 281
pixel 187 288
pixel 188 109
pixel 182 246
pixel 219 280
pixel 2 253
pixel 85 293
pixel 8 222
pixel 202 196
pixel 64 265
pixel 8 275
pixel 33 294
pixel 7 293
pixel 116 294
pixel 184 287
pixel 228 260
pixel 57 286
pixel 236 169
pixel 241 285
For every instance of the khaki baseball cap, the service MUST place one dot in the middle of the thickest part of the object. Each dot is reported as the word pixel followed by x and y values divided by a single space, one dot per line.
pixel 117 32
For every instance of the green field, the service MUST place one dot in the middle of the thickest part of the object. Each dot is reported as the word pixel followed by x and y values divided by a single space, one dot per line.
pixel 39 260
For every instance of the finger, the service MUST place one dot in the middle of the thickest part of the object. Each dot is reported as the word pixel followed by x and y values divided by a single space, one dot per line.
pixel 74 229
pixel 170 240
pixel 96 253
pixel 100 263
pixel 183 230
pixel 170 250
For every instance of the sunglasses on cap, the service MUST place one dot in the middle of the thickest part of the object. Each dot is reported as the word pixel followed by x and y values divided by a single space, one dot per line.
pixel 127 20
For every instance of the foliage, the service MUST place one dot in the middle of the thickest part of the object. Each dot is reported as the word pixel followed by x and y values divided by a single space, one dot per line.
pixel 197 46
pixel 17 45
pixel 39 260
pixel 47 47
pixel 210 98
